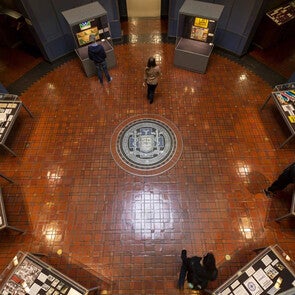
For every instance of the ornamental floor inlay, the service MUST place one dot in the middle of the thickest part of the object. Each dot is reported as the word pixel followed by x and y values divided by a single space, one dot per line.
pixel 146 145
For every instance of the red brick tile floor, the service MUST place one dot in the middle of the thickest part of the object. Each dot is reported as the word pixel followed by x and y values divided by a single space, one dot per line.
pixel 68 193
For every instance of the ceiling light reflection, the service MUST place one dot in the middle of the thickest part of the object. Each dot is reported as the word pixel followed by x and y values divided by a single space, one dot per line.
pixel 54 176
pixel 245 228
pixel 51 232
pixel 243 77
pixel 243 170
pixel 151 215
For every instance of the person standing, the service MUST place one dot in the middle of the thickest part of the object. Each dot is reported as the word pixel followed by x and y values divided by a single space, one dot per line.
pixel 151 77
pixel 284 179
pixel 98 55
pixel 198 270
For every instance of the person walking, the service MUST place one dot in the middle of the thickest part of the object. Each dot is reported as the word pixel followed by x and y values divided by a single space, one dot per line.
pixel 98 55
pixel 198 270
pixel 284 179
pixel 151 77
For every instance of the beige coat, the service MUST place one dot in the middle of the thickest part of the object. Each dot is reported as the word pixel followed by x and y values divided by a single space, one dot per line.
pixel 151 75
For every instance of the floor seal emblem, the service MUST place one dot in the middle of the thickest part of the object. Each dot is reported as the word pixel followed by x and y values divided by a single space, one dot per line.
pixel 146 145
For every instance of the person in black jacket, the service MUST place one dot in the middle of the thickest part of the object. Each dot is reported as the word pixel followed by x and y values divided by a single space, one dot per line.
pixel 198 270
pixel 97 54
pixel 284 179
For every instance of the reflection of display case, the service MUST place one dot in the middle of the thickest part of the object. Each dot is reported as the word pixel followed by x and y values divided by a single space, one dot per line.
pixel 26 274
pixel 84 21
pixel 195 34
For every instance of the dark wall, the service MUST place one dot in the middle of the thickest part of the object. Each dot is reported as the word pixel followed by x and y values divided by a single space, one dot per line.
pixel 52 31
pixel 235 27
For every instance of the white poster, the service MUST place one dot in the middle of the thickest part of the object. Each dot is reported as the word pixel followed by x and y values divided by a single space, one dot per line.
pixel 261 277
pixel 266 260
pixel 253 286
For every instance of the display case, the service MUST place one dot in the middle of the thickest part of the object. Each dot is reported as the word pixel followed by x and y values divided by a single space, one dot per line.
pixel 197 22
pixel 27 274
pixel 10 106
pixel 283 96
pixel 84 21
pixel 277 25
pixel 271 272
pixel 3 220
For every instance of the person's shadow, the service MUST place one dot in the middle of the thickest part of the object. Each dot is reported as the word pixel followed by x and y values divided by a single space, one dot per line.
pixel 255 182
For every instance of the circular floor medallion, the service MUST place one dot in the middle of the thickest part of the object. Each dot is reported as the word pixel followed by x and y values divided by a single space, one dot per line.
pixel 146 145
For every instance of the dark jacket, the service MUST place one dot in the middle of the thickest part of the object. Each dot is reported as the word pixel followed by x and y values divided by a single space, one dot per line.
pixel 197 274
pixel 96 53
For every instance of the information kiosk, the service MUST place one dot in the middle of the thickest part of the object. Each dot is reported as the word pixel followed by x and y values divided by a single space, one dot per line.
pixel 197 22
pixel 86 20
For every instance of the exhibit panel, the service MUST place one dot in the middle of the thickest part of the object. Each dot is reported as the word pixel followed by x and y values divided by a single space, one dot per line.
pixel 270 272
pixel 26 274
pixel 86 20
pixel 197 22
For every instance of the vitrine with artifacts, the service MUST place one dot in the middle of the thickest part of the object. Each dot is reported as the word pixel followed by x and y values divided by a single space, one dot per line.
pixel 86 20
pixel 197 22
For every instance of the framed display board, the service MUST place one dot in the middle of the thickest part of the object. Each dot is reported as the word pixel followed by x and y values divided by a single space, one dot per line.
pixel 270 272
pixel 26 274
pixel 197 22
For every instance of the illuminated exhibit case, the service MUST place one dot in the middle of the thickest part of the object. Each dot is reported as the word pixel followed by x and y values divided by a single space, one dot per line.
pixel 197 22
pixel 84 21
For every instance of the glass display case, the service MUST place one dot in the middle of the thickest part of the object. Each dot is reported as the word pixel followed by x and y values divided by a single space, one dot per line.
pixel 26 274
pixel 10 106
pixel 277 25
pixel 283 96
pixel 3 219
pixel 271 272
pixel 86 20
pixel 197 22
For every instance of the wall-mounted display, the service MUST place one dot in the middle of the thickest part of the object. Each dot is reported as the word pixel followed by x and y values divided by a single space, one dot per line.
pixel 197 22
pixel 86 20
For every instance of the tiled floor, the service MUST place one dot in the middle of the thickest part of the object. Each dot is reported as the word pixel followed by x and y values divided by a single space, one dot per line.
pixel 69 193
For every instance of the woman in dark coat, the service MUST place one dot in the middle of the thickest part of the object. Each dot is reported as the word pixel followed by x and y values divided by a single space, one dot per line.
pixel 198 270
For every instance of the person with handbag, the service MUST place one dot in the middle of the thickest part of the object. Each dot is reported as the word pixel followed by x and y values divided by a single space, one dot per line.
pixel 198 271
